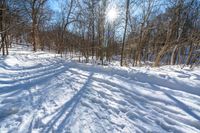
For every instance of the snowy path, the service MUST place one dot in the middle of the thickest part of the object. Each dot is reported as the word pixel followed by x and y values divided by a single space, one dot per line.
pixel 40 93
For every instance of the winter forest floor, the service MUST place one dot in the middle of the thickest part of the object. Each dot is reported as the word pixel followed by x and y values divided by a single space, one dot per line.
pixel 43 93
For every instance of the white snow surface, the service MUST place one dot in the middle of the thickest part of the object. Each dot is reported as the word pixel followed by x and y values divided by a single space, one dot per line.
pixel 42 93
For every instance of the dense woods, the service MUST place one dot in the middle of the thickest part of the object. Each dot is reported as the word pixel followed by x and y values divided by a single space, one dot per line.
pixel 142 31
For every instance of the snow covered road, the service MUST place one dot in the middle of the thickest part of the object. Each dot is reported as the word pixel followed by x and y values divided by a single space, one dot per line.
pixel 42 93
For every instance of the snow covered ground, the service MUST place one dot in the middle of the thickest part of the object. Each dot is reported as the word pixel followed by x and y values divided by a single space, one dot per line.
pixel 42 93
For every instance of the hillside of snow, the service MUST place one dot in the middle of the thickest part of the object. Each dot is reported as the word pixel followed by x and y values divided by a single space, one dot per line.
pixel 42 93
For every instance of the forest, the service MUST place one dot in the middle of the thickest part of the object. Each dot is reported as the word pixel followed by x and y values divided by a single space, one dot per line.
pixel 99 66
pixel 160 32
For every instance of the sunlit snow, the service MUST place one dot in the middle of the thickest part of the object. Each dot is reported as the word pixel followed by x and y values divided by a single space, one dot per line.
pixel 42 93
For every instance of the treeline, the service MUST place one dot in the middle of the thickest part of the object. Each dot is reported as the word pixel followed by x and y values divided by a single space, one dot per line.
pixel 144 31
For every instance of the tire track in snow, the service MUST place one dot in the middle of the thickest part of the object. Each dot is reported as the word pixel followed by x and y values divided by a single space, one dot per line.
pixel 139 102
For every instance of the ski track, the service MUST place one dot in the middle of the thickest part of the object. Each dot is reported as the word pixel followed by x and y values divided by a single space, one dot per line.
pixel 53 95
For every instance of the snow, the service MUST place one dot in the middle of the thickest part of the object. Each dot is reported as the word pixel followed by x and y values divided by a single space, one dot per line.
pixel 40 92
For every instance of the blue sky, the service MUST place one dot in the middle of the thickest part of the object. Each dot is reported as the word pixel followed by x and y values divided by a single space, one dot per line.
pixel 54 5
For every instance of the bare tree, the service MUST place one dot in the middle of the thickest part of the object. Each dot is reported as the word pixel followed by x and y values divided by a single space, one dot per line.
pixel 32 9
pixel 125 28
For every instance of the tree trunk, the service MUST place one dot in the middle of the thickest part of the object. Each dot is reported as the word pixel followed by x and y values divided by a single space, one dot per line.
pixel 189 55
pixel 34 33
pixel 160 55
pixel 173 56
pixel 124 37
pixel 6 43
